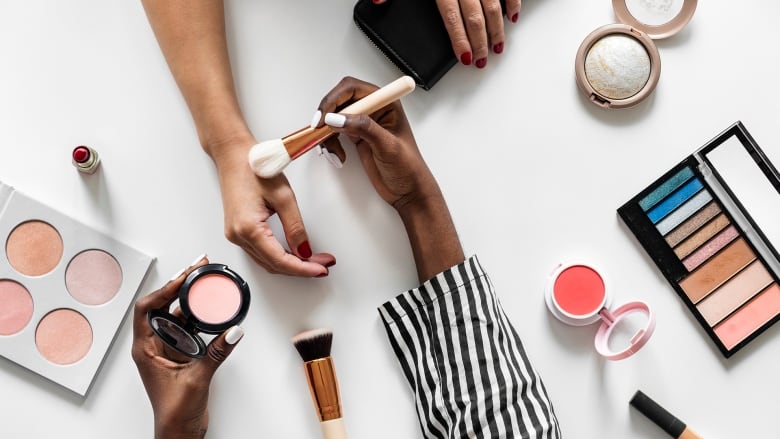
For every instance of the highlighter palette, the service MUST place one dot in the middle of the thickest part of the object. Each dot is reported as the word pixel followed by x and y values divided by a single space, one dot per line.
pixel 64 291
pixel 709 224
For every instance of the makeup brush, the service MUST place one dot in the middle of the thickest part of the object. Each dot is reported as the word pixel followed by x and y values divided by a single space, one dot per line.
pixel 314 348
pixel 269 158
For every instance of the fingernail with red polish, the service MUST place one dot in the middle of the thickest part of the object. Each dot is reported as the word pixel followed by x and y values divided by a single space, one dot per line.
pixel 322 274
pixel 465 59
pixel 378 2
pixel 514 17
pixel 330 264
pixel 498 48
pixel 304 250
pixel 481 63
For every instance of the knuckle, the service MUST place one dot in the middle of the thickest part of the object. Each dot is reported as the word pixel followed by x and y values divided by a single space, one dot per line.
pixel 492 9
pixel 475 21
pixel 238 230
pixel 451 18
pixel 296 228
pixel 141 305
pixel 363 123
pixel 217 353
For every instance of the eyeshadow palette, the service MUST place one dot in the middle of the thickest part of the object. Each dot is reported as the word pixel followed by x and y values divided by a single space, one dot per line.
pixel 709 225
pixel 64 290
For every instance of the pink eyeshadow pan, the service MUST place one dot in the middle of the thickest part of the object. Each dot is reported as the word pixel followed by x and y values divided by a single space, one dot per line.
pixel 63 336
pixel 710 248
pixel 16 307
pixel 750 317
pixel 214 299
pixel 93 277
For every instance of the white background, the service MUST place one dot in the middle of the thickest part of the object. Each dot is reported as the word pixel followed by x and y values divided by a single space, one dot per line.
pixel 532 171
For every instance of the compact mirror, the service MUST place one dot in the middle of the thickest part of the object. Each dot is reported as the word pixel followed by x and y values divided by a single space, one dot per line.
pixel 618 65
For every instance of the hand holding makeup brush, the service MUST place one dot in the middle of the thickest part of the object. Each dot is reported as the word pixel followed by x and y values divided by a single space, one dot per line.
pixel 395 167
pixel 177 386
pixel 269 158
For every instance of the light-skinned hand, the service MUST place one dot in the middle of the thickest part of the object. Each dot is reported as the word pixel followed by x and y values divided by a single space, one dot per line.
pixel 475 27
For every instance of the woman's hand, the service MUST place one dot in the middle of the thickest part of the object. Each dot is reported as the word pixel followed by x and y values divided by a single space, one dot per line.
pixel 385 144
pixel 396 168
pixel 177 386
pixel 475 27
pixel 249 201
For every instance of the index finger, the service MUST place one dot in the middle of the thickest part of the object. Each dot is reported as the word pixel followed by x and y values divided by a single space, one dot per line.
pixel 264 246
pixel 348 90
pixel 162 298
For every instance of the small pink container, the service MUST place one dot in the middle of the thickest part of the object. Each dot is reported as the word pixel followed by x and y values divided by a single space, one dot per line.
pixel 577 294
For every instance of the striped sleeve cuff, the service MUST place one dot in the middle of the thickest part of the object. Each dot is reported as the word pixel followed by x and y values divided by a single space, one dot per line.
pixel 464 361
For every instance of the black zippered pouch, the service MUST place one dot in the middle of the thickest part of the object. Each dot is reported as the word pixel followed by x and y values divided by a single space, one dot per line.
pixel 411 34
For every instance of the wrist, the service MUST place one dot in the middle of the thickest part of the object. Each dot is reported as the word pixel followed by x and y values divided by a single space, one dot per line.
pixel 432 236
pixel 231 151
pixel 178 432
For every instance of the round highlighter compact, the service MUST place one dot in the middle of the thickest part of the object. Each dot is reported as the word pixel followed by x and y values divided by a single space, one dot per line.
pixel 213 298
pixel 618 65
pixel 577 294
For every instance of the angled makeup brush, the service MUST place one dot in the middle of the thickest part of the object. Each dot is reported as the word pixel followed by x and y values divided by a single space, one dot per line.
pixel 269 158
pixel 314 348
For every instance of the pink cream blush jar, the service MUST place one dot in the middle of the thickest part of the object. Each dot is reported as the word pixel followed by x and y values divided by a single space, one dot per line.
pixel 577 294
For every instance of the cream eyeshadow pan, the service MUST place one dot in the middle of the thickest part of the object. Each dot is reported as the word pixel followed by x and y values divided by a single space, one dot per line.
pixel 64 290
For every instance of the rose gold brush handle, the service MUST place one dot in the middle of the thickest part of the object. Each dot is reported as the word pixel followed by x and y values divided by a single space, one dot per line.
pixel 305 139
pixel 324 387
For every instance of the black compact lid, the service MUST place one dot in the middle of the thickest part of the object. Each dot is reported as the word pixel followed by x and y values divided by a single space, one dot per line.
pixel 175 334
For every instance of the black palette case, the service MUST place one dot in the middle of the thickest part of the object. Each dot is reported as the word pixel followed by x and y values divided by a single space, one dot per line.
pixel 411 34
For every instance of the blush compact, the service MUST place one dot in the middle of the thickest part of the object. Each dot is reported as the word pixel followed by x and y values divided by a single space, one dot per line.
pixel 577 294
pixel 618 65
pixel 213 298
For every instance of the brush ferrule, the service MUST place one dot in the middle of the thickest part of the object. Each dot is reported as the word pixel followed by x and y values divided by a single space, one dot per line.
pixel 324 388
pixel 305 139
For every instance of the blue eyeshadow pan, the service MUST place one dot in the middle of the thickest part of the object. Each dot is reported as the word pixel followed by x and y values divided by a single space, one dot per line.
pixel 684 212
pixel 674 200
pixel 665 189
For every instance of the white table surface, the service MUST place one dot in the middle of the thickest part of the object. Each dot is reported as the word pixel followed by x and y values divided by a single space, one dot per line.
pixel 533 174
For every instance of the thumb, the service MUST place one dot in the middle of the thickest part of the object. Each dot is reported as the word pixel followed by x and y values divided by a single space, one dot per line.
pixel 218 351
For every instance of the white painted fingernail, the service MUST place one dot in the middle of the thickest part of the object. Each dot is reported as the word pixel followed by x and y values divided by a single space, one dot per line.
pixel 198 259
pixel 335 120
pixel 234 334
pixel 315 120
pixel 176 276
pixel 333 159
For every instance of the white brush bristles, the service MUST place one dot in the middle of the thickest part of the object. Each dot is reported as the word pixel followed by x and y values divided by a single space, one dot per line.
pixel 268 159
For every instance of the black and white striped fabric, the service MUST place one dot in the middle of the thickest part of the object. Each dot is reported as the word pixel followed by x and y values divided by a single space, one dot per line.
pixel 467 367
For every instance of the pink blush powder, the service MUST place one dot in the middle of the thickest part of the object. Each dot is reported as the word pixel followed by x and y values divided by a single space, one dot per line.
pixel 214 299
pixel 579 290
pixel 16 307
